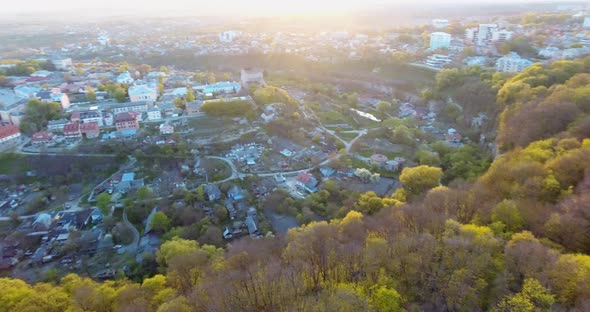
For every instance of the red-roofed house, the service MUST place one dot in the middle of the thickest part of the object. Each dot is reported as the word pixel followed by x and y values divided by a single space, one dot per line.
pixel 90 130
pixel 75 117
pixel 8 133
pixel 307 181
pixel 72 130
pixel 41 137
pixel 126 120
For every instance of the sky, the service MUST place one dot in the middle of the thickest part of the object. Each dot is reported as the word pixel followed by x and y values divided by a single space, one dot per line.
pixel 211 7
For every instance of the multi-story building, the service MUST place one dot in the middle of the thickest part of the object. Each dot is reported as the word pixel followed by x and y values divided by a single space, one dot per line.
pixel 126 120
pixel 91 116
pixel 154 114
pixel 90 130
pixel 501 35
pixel 8 133
pixel 225 87
pixel 438 60
pixel 251 76
pixel 483 34
pixel 512 63
pixel 440 40
pixel 125 77
pixel 72 130
pixel 227 36
pixel 128 107
pixel 142 93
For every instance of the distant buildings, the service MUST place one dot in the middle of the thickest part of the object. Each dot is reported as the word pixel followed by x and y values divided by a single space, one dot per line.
pixel 440 40
pixel 251 76
pixel 224 87
pixel 440 23
pixel 512 63
pixel 501 35
pixel 62 63
pixel 586 22
pixel 142 93
pixel 227 36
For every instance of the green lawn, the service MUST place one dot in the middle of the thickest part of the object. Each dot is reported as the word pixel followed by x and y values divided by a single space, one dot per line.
pixel 348 136
pixel 14 164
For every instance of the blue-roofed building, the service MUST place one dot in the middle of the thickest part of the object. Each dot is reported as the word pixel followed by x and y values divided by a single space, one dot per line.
pixel 235 193
pixel 225 87
pixel 327 171
pixel 129 176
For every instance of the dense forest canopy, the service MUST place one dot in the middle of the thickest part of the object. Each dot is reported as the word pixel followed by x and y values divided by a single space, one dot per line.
pixel 516 238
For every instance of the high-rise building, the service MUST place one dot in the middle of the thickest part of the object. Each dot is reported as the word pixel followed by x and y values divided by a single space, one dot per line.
pixel 501 35
pixel 440 40
pixel 512 63
pixel 484 33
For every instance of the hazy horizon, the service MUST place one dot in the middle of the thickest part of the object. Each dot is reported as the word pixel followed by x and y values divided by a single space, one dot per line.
pixel 235 8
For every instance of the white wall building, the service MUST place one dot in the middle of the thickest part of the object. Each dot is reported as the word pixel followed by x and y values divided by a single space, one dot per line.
pixel 440 40
pixel 154 114
pixel 501 35
pixel 125 77
pixel 62 63
pixel 142 93
pixel 484 33
pixel 227 36
pixel 512 63
pixel 553 53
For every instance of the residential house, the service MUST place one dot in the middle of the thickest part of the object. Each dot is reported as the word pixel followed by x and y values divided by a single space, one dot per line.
pixel 307 181
pixel 252 222
pixel 231 210
pixel 41 137
pixel 166 128
pixel 126 120
pixel 327 171
pixel 193 108
pixel 212 192
pixel 90 130
pixel 72 130
pixel 154 114
pixel 26 92
pixel 235 193
pixel 8 133
pixel 56 125
pixel 142 93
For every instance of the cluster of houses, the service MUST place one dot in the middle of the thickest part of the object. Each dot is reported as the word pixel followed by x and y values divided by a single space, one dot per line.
pixel 145 103
pixel 46 235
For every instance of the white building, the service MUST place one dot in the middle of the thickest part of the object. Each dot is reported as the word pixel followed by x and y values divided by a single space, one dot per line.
pixel 154 114
pixel 553 53
pixel 62 63
pixel 125 77
pixel 440 40
pixel 438 60
pixel 587 22
pixel 440 23
pixel 142 93
pixel 512 63
pixel 227 36
pixel 166 129
pixel 501 35
pixel 250 76
pixel 484 33
pixel 103 39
